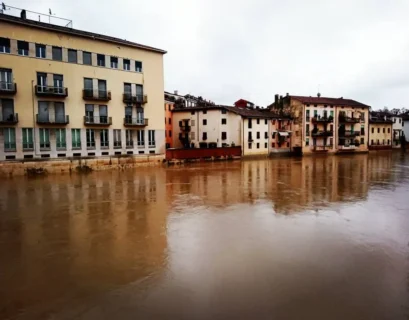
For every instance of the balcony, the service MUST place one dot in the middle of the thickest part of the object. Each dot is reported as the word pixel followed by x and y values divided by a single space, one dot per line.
pixel 136 98
pixel 323 119
pixel 9 119
pixel 345 119
pixel 350 147
pixel 45 119
pixel 135 122
pixel 98 95
pixel 8 88
pixel 48 91
pixel 350 134
pixel 101 121
pixel 325 148
pixel 322 134
pixel 185 128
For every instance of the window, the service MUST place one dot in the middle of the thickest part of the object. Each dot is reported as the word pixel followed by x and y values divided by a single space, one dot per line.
pixel 204 136
pixel 104 138
pixel 192 113
pixel 224 111
pixel 170 133
pixel 265 145
pixel 362 130
pixel 151 138
pixel 331 114
pixel 204 122
pixel 4 45
pixel 22 48
pixel 60 137
pixel 307 130
pixel 90 133
pixel 379 130
pixel 394 120
pixel 315 113
pixel 6 79
pixel 258 145
pixel 57 53
pixel 204 111
pixel 40 51
pixel 72 56
pixel 266 135
pixel 9 139
pixel 389 130
pixel 265 121
pixel 140 134
pixel 76 138
pixel 383 130
pixel 28 142
pixel 258 134
pixel 114 62
pixel 127 64
pixel 192 136
pixel 224 121
pixel 170 121
pixel 250 145
pixel 258 121
pixel 273 145
pixel 129 139
pixel 224 135
pixel 307 142
pixel 373 129
pixel 101 60
pixel 44 138
pixel 249 124
pixel 138 66
pixel 86 58
pixel 249 136
pixel 383 141
pixel 307 116
pixel 362 141
pixel 58 81
pixel 372 142
pixel 117 138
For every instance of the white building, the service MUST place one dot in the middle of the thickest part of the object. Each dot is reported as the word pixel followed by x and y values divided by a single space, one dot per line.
pixel 405 125
pixel 221 126
pixel 397 130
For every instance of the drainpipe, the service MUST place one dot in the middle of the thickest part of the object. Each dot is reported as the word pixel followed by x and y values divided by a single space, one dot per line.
pixel 34 120
pixel 242 133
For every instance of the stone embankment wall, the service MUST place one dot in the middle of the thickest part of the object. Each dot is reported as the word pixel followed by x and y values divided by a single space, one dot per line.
pixel 72 165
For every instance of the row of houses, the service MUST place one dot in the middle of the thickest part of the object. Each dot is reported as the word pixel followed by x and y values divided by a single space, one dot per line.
pixel 66 92
pixel 291 124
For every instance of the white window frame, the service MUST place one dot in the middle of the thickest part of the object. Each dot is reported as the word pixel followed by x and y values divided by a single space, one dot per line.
pixel 42 134
pixel 90 133
pixel 59 134
pixel 140 136
pixel 117 138
pixel 26 135
pixel 104 138
pixel 151 138
pixel 75 134
pixel 8 139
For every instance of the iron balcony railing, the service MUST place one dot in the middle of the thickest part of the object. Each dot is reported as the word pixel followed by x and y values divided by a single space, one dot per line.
pixel 56 119
pixel 322 133
pixel 135 98
pixel 9 88
pixel 185 128
pixel 347 119
pixel 9 119
pixel 350 134
pixel 98 120
pixel 128 121
pixel 100 95
pixel 50 91
pixel 324 119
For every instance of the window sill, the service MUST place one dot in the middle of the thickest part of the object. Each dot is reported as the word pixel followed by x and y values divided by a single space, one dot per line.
pixel 76 148
pixel 104 147
pixel 90 148
pixel 117 147
pixel 141 147
pixel 28 149
pixel 10 150
pixel 152 146
pixel 45 149
pixel 61 148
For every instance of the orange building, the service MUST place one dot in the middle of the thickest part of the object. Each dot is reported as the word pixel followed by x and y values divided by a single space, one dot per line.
pixel 169 105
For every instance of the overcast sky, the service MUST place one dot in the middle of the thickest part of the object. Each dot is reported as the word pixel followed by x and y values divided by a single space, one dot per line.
pixel 224 50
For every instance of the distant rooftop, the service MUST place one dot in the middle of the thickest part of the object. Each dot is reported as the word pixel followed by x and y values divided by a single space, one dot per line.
pixel 329 101
pixel 53 23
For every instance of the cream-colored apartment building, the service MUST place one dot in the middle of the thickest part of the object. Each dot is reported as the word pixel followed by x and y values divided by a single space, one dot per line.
pixel 321 124
pixel 71 93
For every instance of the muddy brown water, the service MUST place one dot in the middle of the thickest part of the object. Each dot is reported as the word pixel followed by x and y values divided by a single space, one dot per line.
pixel 311 238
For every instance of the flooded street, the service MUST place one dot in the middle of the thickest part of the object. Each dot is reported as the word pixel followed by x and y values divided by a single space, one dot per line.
pixel 311 238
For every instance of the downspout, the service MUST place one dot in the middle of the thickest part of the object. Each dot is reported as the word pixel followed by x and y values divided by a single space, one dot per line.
pixel 34 120
pixel 242 132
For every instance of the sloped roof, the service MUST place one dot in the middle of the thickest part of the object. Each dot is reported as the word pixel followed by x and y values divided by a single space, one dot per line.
pixel 80 33
pixel 329 101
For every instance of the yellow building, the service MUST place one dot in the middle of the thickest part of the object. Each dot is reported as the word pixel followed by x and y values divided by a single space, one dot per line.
pixel 66 92
pixel 321 124
pixel 380 131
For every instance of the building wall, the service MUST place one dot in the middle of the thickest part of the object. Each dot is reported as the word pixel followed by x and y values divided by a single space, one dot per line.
pixel 213 127
pixel 405 125
pixel 279 144
pixel 397 131
pixel 26 103
pixel 383 137
pixel 259 145
pixel 169 124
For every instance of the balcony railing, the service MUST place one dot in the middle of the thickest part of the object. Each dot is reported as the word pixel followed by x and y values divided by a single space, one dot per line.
pixel 349 134
pixel 185 128
pixel 135 98
pixel 56 119
pixel 322 148
pixel 99 95
pixel 135 122
pixel 9 119
pixel 8 88
pixel 323 134
pixel 48 91
pixel 324 119
pixel 98 121
pixel 346 119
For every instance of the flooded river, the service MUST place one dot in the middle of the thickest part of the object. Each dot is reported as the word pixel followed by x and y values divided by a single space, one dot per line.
pixel 312 238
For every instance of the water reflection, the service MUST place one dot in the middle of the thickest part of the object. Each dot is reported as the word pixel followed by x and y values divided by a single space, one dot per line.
pixel 202 236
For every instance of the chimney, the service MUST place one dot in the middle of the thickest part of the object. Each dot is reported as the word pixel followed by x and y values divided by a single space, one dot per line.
pixel 276 100
pixel 318 94
pixel 287 94
pixel 175 92
pixel 23 14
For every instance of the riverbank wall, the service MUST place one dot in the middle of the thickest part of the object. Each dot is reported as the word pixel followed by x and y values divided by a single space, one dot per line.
pixel 72 165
